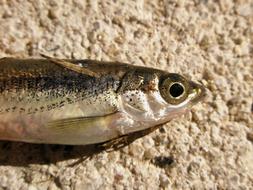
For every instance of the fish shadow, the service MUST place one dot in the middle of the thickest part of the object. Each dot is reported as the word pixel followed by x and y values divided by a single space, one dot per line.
pixel 24 154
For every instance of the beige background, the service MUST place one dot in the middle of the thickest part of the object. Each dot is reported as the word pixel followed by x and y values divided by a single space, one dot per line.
pixel 211 41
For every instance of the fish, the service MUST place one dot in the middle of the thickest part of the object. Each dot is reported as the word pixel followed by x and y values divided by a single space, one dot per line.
pixel 81 102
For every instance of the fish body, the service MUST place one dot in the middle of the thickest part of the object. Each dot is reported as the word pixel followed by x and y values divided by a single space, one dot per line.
pixel 83 102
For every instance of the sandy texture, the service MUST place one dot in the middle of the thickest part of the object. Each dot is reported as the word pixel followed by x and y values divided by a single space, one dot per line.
pixel 211 41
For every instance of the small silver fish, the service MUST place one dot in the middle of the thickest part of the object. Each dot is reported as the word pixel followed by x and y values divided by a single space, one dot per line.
pixel 80 102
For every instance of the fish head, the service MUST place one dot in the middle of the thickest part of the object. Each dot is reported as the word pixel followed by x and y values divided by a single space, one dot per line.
pixel 157 97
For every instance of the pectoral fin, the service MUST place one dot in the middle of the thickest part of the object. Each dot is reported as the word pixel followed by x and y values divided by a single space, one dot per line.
pixel 68 65
pixel 81 130
pixel 73 125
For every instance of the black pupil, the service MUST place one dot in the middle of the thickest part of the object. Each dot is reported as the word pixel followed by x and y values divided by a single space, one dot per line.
pixel 176 90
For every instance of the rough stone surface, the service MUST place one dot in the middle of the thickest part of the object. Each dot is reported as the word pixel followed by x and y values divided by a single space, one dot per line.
pixel 211 41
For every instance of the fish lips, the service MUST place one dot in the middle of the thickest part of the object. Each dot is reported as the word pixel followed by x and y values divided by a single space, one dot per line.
pixel 199 92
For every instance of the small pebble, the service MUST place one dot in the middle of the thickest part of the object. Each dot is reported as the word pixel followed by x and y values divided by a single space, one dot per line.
pixel 163 161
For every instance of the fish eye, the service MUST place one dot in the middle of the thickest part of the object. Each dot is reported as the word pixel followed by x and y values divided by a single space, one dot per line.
pixel 176 90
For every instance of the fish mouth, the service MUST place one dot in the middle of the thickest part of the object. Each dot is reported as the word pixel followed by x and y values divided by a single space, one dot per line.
pixel 198 91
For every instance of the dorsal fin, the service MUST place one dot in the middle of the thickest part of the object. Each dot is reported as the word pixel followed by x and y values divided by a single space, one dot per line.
pixel 71 66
